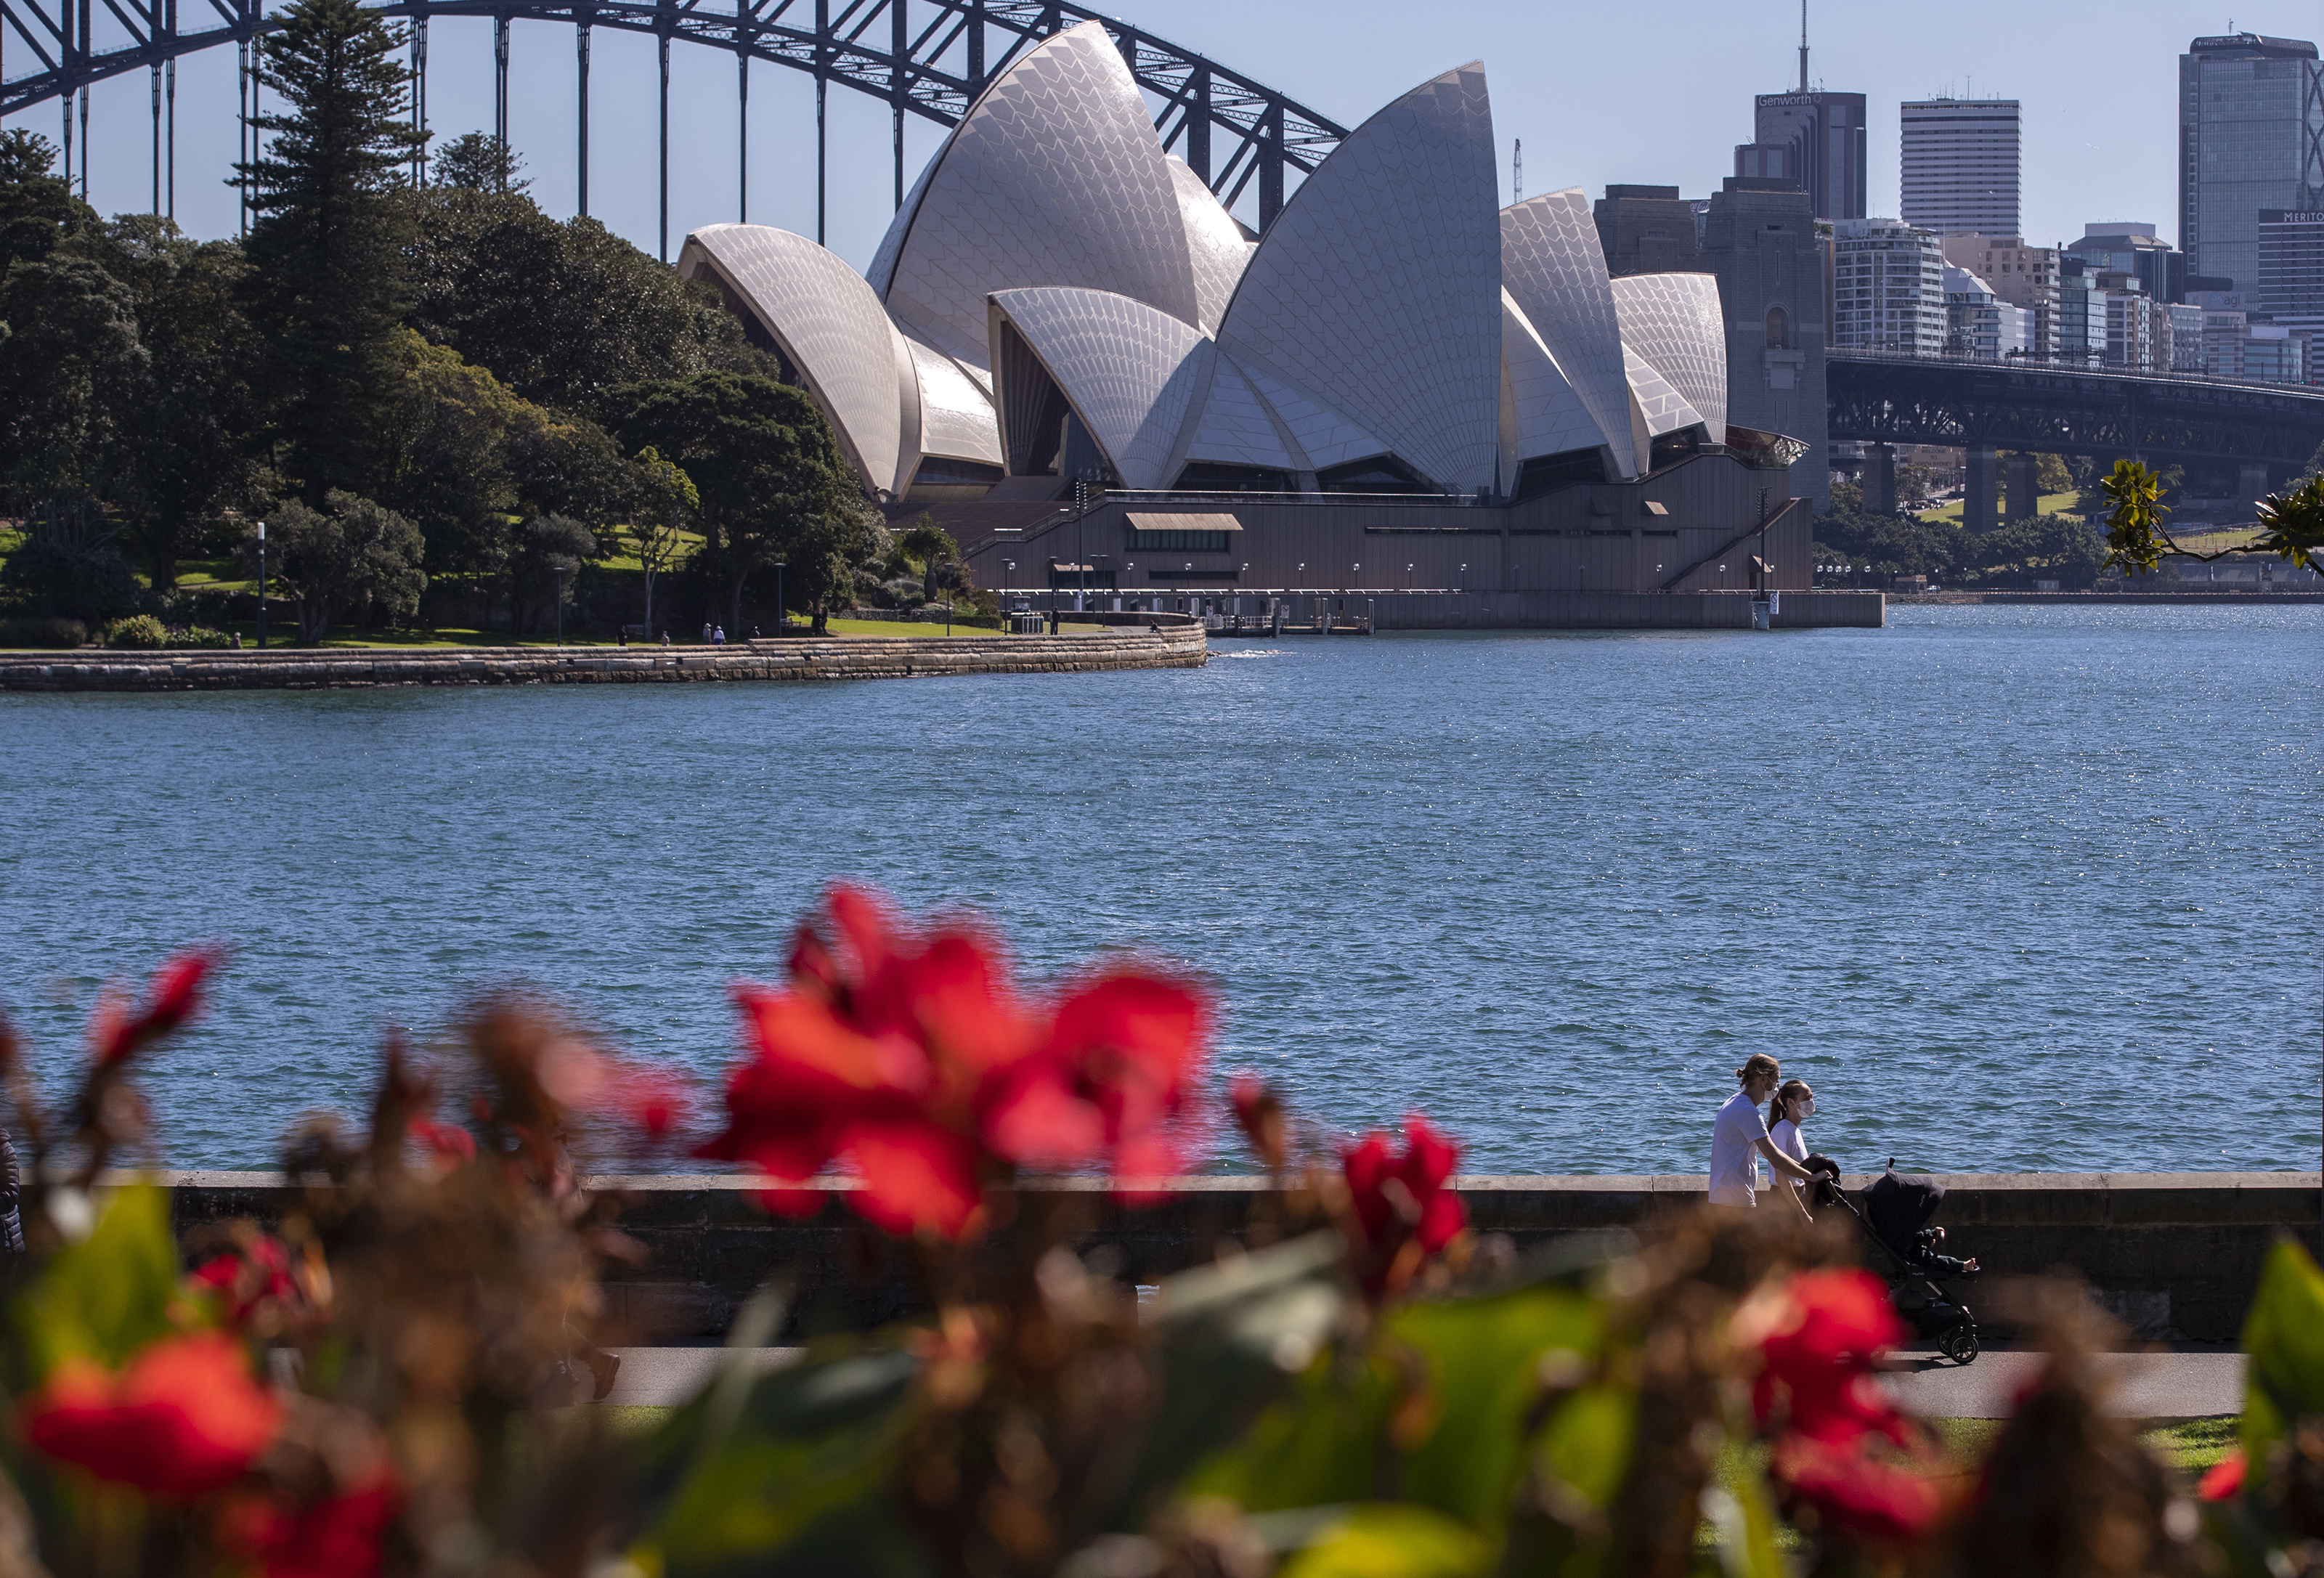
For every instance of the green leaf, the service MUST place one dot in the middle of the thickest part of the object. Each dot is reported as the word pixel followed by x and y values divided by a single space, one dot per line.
pixel 1743 1512
pixel 1484 1357
pixel 1392 1540
pixel 108 1295
pixel 2284 1337
pixel 790 1472
pixel 1230 1338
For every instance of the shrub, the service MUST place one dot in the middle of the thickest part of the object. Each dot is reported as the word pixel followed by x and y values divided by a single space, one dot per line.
pixel 42 632
pixel 199 635
pixel 140 632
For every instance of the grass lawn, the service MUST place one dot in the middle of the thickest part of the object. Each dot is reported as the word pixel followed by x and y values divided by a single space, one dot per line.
pixel 2051 504
pixel 2214 541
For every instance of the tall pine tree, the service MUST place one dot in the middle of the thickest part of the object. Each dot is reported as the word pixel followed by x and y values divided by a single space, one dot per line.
pixel 327 283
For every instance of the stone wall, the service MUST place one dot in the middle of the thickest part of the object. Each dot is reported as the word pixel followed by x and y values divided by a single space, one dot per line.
pixel 2175 1254
pixel 829 657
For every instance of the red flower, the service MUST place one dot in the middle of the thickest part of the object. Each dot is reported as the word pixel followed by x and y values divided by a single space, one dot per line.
pixel 2224 1480
pixel 1819 1358
pixel 447 1143
pixel 1864 1496
pixel 1402 1201
pixel 183 1419
pixel 248 1276
pixel 114 1034
pixel 1817 1378
pixel 336 1537
pixel 910 1054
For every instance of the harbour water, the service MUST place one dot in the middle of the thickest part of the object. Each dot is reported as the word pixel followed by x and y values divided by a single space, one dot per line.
pixel 2017 889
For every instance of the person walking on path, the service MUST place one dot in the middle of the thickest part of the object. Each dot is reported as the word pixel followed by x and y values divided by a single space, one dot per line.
pixel 1739 1137
pixel 1794 1104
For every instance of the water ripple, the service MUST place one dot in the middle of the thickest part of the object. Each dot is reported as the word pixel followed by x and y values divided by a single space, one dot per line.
pixel 2016 888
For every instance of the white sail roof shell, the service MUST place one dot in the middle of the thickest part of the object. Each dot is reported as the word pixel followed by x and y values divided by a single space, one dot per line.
pixel 1053 177
pixel 1377 286
pixel 1554 270
pixel 1214 244
pixel 1127 370
pixel 1655 408
pixel 1544 414
pixel 1675 322
pixel 831 328
pixel 956 416
pixel 1233 427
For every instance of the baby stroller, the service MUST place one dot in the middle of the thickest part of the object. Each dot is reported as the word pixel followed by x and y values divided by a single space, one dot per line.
pixel 1895 1215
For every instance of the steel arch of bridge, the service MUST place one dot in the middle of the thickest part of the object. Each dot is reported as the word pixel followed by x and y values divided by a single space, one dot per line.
pixel 925 58
pixel 2160 419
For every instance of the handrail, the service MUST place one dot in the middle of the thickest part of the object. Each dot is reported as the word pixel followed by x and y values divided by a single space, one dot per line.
pixel 1733 542
pixel 2032 365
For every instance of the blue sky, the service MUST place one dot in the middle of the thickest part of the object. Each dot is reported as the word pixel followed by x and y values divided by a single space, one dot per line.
pixel 1596 93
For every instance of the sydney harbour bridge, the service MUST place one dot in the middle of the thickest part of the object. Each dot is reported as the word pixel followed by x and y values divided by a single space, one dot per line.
pixel 931 59
pixel 924 58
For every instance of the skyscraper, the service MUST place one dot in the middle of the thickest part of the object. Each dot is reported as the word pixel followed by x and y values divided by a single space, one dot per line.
pixel 1960 165
pixel 1813 139
pixel 2250 136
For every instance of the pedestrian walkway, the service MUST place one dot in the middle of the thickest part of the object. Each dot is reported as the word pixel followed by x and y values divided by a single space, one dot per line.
pixel 2147 1386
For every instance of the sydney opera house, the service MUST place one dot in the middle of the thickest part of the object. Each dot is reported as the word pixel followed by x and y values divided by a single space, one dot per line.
pixel 1401 384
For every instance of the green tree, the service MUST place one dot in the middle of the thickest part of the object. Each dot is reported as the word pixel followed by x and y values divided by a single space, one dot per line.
pixel 932 548
pixel 480 162
pixel 550 552
pixel 67 368
pixel 350 555
pixel 327 283
pixel 768 471
pixel 443 457
pixel 662 500
pixel 564 313
pixel 188 416
pixel 37 210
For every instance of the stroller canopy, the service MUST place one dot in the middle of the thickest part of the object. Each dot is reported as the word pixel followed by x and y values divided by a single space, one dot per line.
pixel 1900 1208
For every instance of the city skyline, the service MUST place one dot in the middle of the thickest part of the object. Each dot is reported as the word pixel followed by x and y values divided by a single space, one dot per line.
pixel 2099 141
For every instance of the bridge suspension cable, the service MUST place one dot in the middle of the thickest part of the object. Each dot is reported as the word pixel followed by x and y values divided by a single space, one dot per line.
pixel 925 58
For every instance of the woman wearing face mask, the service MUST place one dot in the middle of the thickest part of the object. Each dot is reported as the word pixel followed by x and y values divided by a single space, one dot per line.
pixel 1794 1105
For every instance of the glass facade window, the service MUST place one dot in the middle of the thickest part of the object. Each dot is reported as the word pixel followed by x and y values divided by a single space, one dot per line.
pixel 2251 133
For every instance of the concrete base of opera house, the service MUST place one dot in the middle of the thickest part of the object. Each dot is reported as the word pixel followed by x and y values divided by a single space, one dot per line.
pixel 1664 551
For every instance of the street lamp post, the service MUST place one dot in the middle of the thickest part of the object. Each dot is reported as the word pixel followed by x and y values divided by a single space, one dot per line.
pixel 560 605
pixel 782 609
pixel 262 586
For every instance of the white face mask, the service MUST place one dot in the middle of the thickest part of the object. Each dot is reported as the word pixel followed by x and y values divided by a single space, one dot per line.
pixel 1804 1109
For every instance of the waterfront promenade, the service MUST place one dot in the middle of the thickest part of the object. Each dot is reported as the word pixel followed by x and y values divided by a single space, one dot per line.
pixel 794 658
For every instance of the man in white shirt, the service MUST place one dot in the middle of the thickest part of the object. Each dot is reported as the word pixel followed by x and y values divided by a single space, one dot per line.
pixel 1739 1137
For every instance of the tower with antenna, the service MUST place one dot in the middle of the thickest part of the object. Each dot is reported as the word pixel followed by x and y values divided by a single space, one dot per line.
pixel 1516 171
pixel 1811 140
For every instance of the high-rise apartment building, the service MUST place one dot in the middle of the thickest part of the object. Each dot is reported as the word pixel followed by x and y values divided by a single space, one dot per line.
pixel 1960 165
pixel 2291 270
pixel 1888 288
pixel 2186 336
pixel 1979 324
pixel 1816 142
pixel 2081 313
pixel 2251 138
pixel 2024 276
pixel 2124 247
pixel 1645 230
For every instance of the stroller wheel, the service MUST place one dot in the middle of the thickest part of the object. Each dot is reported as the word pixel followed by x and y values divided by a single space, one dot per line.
pixel 1959 1343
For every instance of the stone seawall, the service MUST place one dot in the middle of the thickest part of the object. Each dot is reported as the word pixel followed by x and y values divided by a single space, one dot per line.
pixel 2175 1254
pixel 809 658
